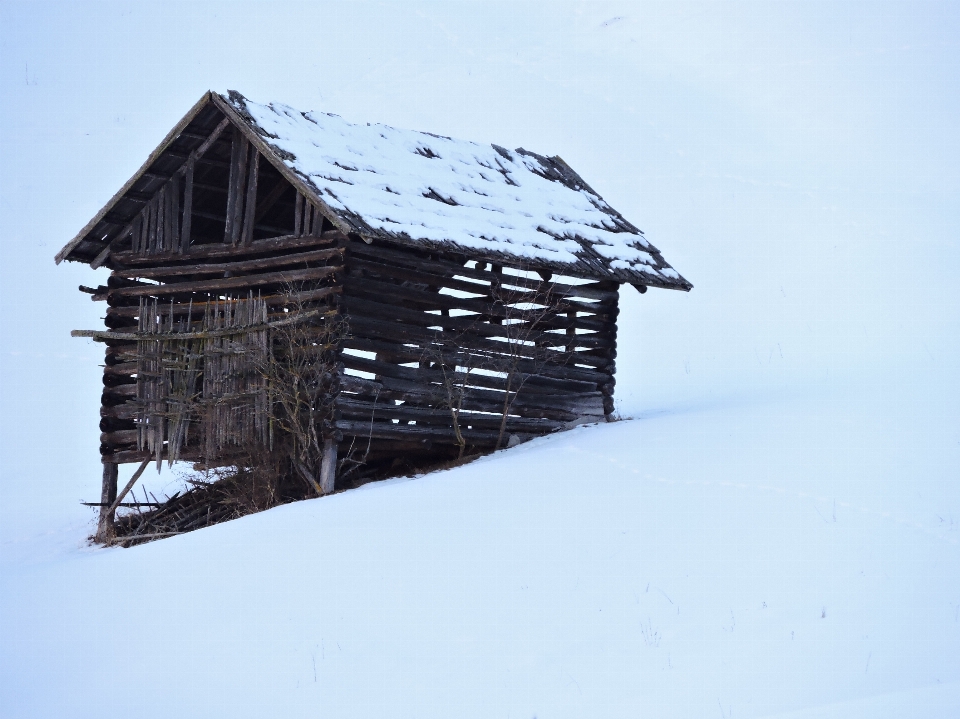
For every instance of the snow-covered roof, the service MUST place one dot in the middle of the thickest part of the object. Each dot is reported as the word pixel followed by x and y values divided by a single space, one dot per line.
pixel 411 188
pixel 416 187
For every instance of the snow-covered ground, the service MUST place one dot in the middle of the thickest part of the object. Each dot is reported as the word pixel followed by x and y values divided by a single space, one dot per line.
pixel 755 558
pixel 775 533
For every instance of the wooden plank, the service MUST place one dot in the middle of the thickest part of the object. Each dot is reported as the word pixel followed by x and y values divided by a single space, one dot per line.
pixel 238 156
pixel 328 466
pixel 289 276
pixel 486 309
pixel 560 293
pixel 389 255
pixel 175 213
pixel 240 266
pixel 240 190
pixel 156 241
pixel 368 308
pixel 293 318
pixel 257 247
pixel 187 224
pixel 298 215
pixel 376 328
pixel 355 408
pixel 543 374
pixel 389 430
pixel 246 236
pixel 184 308
pixel 108 493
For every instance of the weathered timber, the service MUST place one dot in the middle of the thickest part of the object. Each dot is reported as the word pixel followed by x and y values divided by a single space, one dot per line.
pixel 462 356
pixel 238 166
pixel 271 278
pixel 187 224
pixel 354 407
pixel 257 247
pixel 328 467
pixel 298 215
pixel 105 253
pixel 184 308
pixel 488 309
pixel 436 266
pixel 532 381
pixel 123 493
pixel 108 494
pixel 390 430
pixel 203 334
pixel 369 327
pixel 414 387
pixel 246 234
pixel 239 266
pixel 562 295
pixel 388 389
pixel 369 308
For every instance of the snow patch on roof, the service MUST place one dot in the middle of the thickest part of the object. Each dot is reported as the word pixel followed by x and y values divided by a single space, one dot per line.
pixel 438 189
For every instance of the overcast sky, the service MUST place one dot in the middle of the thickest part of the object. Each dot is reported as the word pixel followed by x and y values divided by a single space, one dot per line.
pixel 796 161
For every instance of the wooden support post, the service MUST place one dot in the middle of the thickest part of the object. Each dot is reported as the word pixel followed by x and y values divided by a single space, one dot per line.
pixel 246 235
pixel 328 467
pixel 187 206
pixel 108 495
pixel 298 216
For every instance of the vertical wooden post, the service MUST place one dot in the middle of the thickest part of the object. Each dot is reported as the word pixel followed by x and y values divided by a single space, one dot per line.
pixel 187 224
pixel 298 215
pixel 328 467
pixel 108 494
pixel 246 234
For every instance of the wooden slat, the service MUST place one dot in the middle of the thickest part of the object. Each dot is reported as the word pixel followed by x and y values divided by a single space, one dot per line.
pixel 269 278
pixel 298 215
pixel 183 308
pixel 485 308
pixel 239 266
pixel 370 309
pixel 238 163
pixel 257 247
pixel 563 295
pixel 389 255
pixel 246 236
pixel 187 225
pixel 481 386
pixel 375 328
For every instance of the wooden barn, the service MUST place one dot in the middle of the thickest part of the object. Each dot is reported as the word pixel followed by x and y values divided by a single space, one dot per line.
pixel 337 301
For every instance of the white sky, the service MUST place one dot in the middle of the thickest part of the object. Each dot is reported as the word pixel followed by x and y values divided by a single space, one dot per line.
pixel 796 161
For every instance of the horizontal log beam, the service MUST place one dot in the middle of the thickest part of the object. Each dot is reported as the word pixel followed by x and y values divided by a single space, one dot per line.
pixel 352 408
pixel 257 247
pixel 407 258
pixel 372 328
pixel 239 266
pixel 268 278
pixel 368 308
pixel 485 308
pixel 184 308
pixel 564 295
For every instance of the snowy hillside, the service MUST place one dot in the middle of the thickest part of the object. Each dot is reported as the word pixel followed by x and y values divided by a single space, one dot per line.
pixel 745 560
pixel 776 531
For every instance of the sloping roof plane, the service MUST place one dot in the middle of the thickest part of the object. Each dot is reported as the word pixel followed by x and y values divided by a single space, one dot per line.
pixel 420 189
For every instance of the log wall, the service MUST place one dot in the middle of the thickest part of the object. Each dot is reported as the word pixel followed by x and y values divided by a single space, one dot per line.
pixel 434 337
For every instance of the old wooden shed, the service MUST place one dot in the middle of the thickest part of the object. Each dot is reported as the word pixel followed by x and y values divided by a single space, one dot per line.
pixel 352 294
